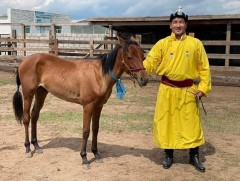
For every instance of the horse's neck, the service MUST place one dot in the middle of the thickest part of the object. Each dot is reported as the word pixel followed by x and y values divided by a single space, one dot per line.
pixel 118 66
pixel 117 70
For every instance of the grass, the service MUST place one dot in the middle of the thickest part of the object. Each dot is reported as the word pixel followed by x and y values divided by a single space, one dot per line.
pixel 127 122
pixel 227 122
pixel 7 79
pixel 223 110
pixel 3 82
pixel 115 122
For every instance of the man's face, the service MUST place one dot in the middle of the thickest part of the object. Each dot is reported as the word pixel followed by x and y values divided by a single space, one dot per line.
pixel 178 26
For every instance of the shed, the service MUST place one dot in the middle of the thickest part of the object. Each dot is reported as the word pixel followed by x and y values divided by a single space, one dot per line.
pixel 220 34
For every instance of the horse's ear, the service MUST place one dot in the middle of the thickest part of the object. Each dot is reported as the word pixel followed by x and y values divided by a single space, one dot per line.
pixel 121 40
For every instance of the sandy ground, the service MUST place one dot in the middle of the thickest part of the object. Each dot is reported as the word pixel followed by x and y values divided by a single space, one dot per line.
pixel 126 156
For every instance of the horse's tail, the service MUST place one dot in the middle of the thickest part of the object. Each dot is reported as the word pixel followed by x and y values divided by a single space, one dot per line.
pixel 18 101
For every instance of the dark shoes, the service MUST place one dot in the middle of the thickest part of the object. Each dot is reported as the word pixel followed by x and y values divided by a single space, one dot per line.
pixel 168 160
pixel 194 160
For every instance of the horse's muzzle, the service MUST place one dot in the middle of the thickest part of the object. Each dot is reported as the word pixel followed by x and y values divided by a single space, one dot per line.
pixel 143 81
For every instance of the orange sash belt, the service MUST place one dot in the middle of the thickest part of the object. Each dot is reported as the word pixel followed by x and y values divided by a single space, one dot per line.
pixel 173 83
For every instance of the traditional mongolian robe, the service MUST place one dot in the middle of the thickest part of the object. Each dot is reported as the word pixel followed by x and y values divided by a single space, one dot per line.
pixel 177 123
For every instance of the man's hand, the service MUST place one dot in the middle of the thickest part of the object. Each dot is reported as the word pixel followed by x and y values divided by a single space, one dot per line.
pixel 199 94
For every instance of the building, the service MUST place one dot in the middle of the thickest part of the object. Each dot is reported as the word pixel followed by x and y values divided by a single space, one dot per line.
pixel 35 21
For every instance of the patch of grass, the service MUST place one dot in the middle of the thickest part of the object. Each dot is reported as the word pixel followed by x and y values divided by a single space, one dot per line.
pixel 70 121
pixel 226 122
pixel 126 122
pixel 3 82
pixel 9 117
pixel 62 117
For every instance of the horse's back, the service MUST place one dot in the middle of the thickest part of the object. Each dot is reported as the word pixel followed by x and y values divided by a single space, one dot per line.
pixel 41 59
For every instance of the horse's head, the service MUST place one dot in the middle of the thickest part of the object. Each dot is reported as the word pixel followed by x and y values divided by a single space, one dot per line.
pixel 132 60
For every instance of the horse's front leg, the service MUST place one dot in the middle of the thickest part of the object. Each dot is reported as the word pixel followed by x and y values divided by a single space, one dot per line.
pixel 95 128
pixel 87 115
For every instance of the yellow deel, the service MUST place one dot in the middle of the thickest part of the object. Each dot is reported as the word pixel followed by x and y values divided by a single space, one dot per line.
pixel 177 123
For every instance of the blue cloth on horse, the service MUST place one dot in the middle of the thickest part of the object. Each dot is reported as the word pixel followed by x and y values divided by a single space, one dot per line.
pixel 121 90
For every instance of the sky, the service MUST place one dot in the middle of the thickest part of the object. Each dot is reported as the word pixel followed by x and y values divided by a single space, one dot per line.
pixel 83 9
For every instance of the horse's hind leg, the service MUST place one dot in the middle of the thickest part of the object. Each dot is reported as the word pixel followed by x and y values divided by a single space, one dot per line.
pixel 40 96
pixel 26 120
pixel 95 128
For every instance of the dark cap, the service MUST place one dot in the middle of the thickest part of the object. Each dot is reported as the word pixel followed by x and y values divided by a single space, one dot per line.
pixel 179 14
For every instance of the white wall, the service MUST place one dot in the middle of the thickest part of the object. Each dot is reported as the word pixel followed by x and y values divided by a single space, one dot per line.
pixel 5 29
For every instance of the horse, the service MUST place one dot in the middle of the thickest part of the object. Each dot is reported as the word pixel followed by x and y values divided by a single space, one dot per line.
pixel 87 82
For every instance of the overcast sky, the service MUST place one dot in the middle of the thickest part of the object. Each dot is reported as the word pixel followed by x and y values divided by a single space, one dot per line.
pixel 82 9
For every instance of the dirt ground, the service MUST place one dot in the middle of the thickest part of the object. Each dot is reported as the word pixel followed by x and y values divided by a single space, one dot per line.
pixel 127 156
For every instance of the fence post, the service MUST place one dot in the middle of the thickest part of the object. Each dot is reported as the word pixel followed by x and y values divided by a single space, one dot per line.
pixel 105 45
pixel 91 47
pixel 14 44
pixel 138 39
pixel 9 45
pixel 24 37
pixel 111 35
pixel 55 46
pixel 51 42
pixel 228 40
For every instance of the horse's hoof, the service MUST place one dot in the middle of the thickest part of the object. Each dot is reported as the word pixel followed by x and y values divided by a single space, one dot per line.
pixel 38 150
pixel 99 160
pixel 28 155
pixel 86 166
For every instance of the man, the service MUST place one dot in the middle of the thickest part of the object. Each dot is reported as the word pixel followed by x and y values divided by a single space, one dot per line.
pixel 179 59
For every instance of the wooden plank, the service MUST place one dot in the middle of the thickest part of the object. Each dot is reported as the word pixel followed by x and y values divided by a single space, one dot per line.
pixel 218 43
pixel 6 49
pixel 72 54
pixel 40 49
pixel 221 42
pixel 85 51
pixel 23 40
pixel 223 56
pixel 73 49
pixel 223 68
pixel 73 41
pixel 87 41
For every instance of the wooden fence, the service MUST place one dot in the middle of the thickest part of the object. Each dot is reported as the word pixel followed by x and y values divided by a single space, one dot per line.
pixel 13 48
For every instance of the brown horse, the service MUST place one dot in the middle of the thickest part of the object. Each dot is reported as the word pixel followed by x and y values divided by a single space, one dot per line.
pixel 87 82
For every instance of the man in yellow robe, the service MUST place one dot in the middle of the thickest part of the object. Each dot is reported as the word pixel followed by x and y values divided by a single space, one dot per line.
pixel 179 59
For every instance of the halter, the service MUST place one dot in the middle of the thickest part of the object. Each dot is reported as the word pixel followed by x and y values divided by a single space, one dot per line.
pixel 121 90
pixel 132 71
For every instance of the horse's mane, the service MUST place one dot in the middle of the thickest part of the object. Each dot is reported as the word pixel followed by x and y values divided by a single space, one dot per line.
pixel 108 60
